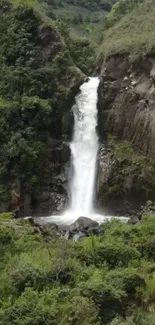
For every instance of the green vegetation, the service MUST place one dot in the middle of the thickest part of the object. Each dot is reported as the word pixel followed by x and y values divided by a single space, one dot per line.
pixel 121 8
pixel 100 280
pixel 82 50
pixel 6 216
pixel 122 30
pixel 37 78
pixel 46 280
pixel 141 167
pixel 132 174
pixel 81 15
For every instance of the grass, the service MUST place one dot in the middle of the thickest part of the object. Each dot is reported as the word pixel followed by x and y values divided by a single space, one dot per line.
pixel 29 3
pixel 134 33
pixel 6 216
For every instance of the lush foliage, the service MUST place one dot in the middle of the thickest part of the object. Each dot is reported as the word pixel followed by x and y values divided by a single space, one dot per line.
pixel 36 78
pixel 82 50
pixel 119 9
pixel 101 280
pixel 6 216
pixel 132 175
pixel 81 15
pixel 125 23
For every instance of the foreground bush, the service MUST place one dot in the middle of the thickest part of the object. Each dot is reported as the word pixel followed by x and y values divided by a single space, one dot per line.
pixel 107 279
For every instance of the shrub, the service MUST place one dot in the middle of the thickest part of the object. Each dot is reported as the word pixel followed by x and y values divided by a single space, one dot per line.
pixel 6 216
pixel 111 252
pixel 49 308
pixel 108 298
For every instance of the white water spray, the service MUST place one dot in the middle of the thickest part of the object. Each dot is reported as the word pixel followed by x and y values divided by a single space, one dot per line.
pixel 84 148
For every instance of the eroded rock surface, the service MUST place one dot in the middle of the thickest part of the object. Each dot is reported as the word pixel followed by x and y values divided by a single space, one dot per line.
pixel 54 197
pixel 127 101
pixel 126 110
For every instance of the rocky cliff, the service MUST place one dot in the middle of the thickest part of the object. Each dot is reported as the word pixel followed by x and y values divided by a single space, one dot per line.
pixel 127 111
pixel 128 97
pixel 126 107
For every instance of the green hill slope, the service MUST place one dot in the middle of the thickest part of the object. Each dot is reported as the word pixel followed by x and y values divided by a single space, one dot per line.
pixel 81 15
pixel 37 80
pixel 133 32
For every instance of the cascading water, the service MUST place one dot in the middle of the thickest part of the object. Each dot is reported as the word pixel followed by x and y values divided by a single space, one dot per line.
pixel 84 148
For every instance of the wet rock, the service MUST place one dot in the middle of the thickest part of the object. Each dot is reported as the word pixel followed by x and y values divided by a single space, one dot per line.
pixel 78 236
pixel 83 223
pixel 27 208
pixel 67 235
pixel 44 204
pixel 133 220
pixel 58 202
pixel 93 231
pixel 68 124
pixel 148 209
pixel 53 195
pixel 44 223
pixel 59 152
pixel 30 220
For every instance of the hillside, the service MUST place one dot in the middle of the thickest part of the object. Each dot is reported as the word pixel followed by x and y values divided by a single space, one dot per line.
pixel 82 16
pixel 38 81
pixel 84 273
pixel 129 29
pixel 127 104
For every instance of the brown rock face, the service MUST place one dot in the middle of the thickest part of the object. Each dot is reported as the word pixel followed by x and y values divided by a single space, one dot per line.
pixel 127 101
pixel 53 197
pixel 126 109
pixel 49 42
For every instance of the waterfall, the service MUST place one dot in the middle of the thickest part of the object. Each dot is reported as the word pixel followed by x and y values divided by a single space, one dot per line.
pixel 84 149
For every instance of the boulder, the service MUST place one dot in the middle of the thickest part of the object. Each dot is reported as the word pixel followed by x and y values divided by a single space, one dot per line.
pixel 83 223
pixel 93 231
pixel 148 209
pixel 133 220
pixel 30 220
pixel 78 236
pixel 67 235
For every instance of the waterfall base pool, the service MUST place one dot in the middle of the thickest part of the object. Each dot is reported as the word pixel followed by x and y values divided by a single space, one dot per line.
pixel 68 218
